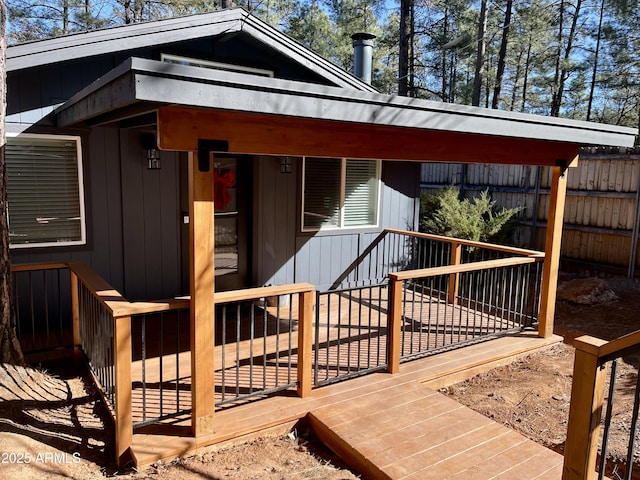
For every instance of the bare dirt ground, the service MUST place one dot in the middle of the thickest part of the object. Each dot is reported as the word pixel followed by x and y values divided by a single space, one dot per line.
pixel 53 424
pixel 532 395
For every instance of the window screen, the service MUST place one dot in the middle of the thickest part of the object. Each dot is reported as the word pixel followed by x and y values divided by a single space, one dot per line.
pixel 44 187
pixel 340 193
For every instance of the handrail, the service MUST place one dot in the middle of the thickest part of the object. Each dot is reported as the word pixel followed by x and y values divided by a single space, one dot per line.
pixel 464 267
pixel 470 243
pixel 587 400
pixel 108 296
pixel 619 347
pixel 28 267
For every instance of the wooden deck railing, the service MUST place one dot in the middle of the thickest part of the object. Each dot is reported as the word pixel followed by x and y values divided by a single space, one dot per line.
pixel 101 325
pixel 592 357
pixel 41 298
pixel 501 296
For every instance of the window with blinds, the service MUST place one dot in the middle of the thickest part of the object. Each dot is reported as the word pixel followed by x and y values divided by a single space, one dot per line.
pixel 45 193
pixel 340 193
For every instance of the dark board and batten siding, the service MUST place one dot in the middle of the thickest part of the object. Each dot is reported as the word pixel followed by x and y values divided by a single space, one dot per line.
pixel 103 209
pixel 151 222
pixel 285 255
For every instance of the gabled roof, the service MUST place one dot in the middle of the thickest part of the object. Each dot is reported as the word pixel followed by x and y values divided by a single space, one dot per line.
pixel 129 37
pixel 139 86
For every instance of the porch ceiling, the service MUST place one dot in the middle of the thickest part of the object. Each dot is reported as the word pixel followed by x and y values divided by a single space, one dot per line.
pixel 271 116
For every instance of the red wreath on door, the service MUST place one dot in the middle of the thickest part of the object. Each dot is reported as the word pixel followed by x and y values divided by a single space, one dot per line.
pixel 222 181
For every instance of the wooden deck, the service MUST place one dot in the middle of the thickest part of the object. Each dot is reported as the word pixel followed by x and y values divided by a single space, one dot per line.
pixel 352 337
pixel 386 426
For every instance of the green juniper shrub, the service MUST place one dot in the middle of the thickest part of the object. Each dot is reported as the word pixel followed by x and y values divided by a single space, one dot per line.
pixel 478 219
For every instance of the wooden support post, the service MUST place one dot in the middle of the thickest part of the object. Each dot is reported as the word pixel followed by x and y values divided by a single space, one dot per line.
pixel 552 251
pixel 202 282
pixel 123 398
pixel 454 278
pixel 394 324
pixel 75 317
pixel 587 395
pixel 305 342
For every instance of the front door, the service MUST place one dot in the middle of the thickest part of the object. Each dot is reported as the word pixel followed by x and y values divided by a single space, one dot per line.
pixel 233 201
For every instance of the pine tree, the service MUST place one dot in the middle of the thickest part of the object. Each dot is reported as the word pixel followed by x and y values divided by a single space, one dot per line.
pixel 9 345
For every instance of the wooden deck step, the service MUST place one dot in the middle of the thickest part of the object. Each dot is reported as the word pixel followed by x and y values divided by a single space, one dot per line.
pixel 412 432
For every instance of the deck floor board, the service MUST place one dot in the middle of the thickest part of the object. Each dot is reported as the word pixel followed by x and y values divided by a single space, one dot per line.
pixel 386 426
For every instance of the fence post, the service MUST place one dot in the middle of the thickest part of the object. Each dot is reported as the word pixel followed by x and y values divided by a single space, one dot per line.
pixel 585 412
pixel 305 342
pixel 454 278
pixel 123 394
pixel 394 321
pixel 75 317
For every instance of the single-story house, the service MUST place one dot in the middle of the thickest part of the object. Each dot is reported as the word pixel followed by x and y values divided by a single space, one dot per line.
pixel 147 151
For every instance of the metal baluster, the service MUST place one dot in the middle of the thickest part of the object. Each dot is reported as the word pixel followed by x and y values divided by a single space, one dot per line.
pixel 223 351
pixel 632 430
pixel 277 341
pixel 607 419
pixel 161 361
pixel 264 341
pixel 317 341
pixel 252 328
pixel 144 369
pixel 177 362
pixel 237 352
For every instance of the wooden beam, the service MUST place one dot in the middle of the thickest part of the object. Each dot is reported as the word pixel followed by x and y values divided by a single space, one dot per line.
pixel 202 281
pixel 585 412
pixel 179 128
pixel 75 317
pixel 454 278
pixel 552 251
pixel 395 325
pixel 305 342
pixel 123 397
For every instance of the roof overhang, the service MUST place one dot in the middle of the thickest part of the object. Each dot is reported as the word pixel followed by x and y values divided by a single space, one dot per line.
pixel 294 118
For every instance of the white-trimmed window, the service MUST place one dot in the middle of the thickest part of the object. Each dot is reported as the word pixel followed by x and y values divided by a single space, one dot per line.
pixel 229 67
pixel 45 191
pixel 340 193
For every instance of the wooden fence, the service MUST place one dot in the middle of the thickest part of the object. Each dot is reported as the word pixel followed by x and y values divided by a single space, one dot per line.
pixel 601 212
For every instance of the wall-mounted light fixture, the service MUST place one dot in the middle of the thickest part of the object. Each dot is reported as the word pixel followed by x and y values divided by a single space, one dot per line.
pixel 285 165
pixel 152 153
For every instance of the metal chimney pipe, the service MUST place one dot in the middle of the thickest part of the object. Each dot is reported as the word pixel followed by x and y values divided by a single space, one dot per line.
pixel 362 55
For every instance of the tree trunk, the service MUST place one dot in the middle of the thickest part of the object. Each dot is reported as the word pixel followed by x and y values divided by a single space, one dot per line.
pixel 445 34
pixel 482 30
pixel 502 54
pixel 9 345
pixel 403 54
pixel 562 66
pixel 596 56
pixel 525 77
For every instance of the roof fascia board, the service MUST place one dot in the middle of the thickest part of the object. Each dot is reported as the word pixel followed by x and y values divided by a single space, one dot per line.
pixel 303 55
pixel 122 38
pixel 174 84
pixel 178 29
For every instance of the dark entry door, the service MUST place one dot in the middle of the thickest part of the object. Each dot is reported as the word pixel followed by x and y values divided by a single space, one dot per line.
pixel 233 200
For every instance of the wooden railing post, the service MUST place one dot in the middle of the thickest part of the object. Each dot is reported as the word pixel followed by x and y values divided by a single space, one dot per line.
pixel 394 323
pixel 587 396
pixel 75 317
pixel 552 251
pixel 305 342
pixel 123 390
pixel 454 278
pixel 202 285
